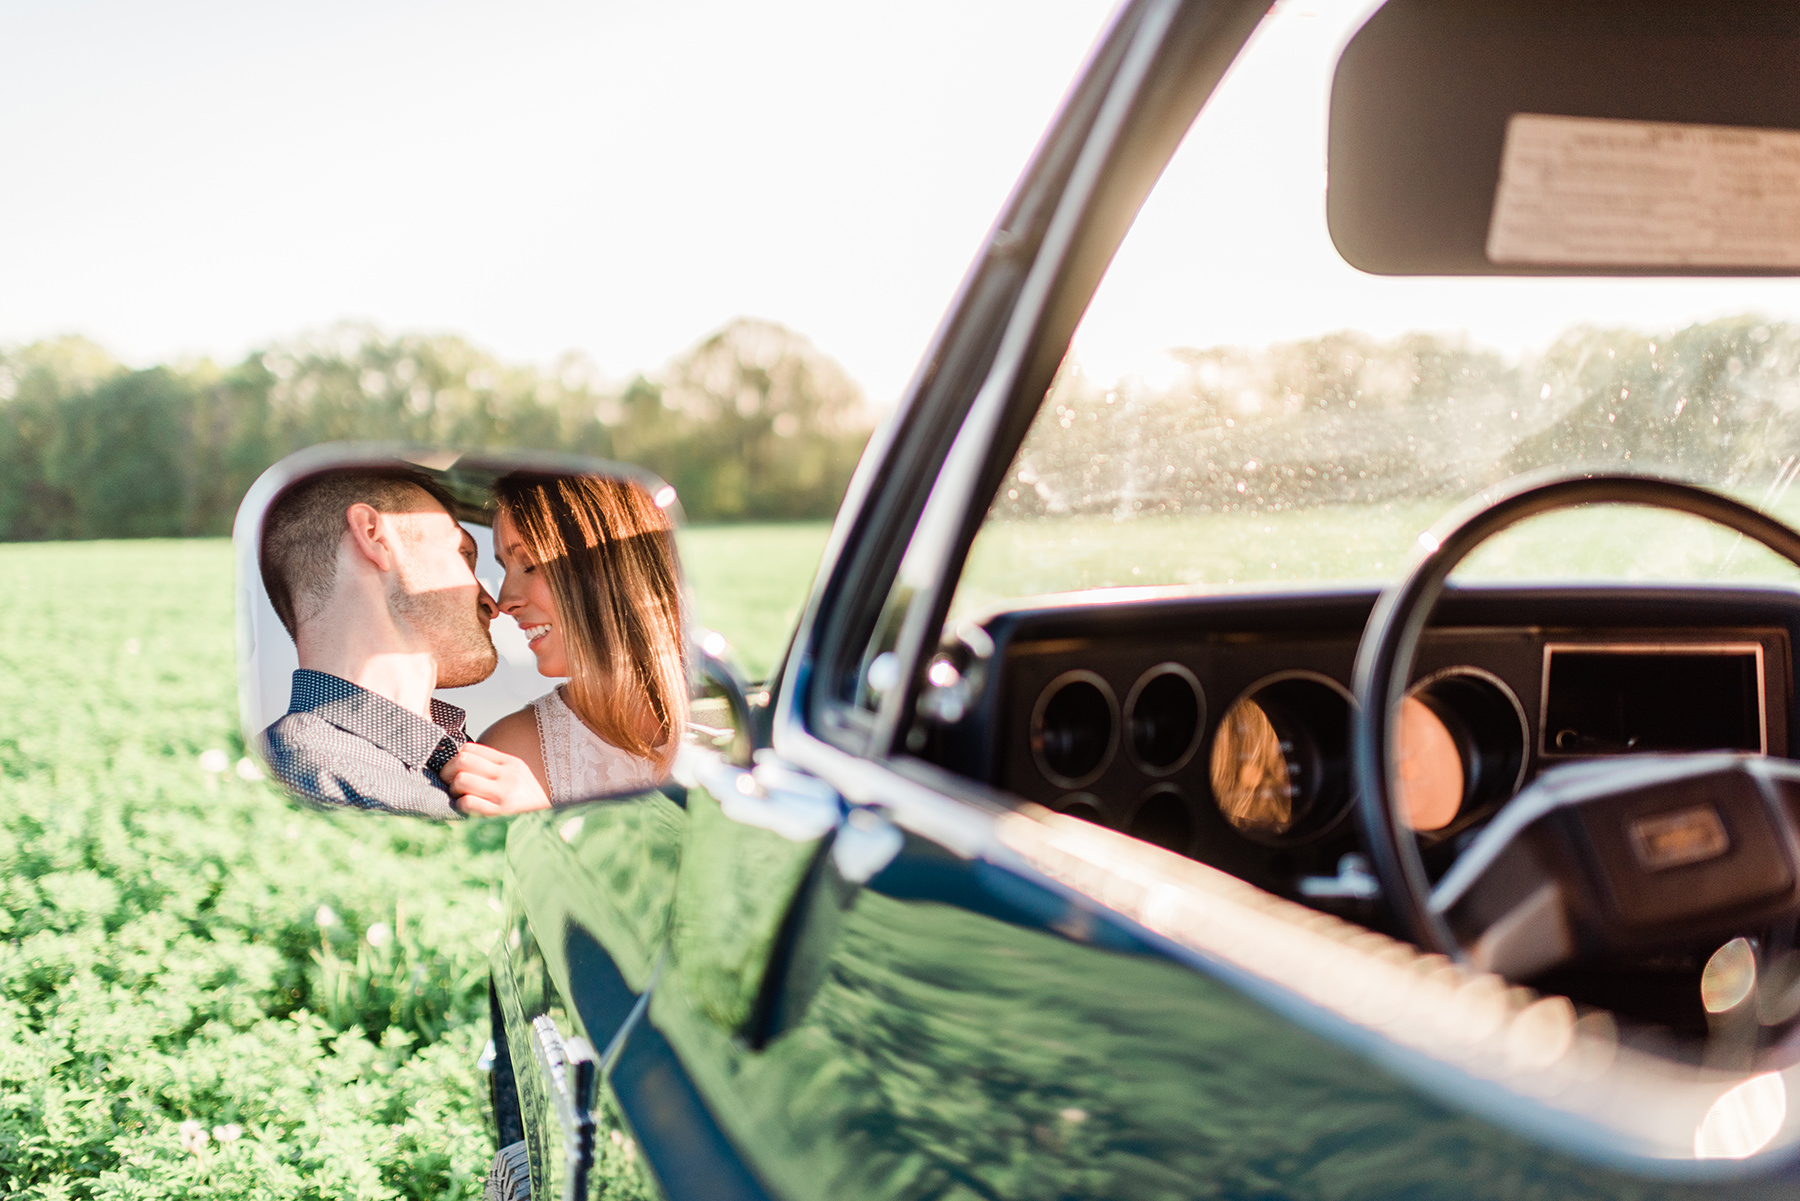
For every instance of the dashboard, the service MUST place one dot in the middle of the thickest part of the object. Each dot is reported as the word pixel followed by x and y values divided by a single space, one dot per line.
pixel 1217 725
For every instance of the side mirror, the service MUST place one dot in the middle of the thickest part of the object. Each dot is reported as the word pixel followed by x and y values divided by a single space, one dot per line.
pixel 382 625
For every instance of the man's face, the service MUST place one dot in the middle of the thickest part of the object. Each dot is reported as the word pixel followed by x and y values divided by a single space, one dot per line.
pixel 435 592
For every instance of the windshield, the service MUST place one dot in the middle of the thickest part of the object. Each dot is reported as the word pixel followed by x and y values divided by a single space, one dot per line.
pixel 1240 406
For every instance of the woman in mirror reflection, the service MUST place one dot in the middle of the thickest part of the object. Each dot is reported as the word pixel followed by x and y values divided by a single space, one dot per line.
pixel 593 581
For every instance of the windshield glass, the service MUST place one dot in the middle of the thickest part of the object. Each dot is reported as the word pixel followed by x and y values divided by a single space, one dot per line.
pixel 1241 407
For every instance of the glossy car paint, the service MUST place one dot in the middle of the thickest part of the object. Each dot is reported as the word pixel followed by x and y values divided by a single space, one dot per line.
pixel 975 1024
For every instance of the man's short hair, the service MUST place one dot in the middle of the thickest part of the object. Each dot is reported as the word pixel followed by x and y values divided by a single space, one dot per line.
pixel 302 530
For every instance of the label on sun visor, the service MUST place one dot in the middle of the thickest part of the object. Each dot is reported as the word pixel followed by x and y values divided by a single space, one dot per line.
pixel 1579 191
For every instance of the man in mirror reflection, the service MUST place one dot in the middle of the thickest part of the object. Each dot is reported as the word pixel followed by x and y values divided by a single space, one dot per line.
pixel 374 579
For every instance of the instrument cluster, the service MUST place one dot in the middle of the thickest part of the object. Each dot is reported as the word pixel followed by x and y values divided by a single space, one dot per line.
pixel 1218 727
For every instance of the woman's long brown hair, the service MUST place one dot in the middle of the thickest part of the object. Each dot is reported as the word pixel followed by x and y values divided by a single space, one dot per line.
pixel 609 555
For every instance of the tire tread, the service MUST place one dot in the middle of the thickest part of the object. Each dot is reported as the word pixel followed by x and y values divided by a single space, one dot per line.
pixel 509 1179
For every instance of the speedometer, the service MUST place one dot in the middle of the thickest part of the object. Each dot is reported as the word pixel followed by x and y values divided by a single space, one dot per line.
pixel 1252 779
pixel 1280 758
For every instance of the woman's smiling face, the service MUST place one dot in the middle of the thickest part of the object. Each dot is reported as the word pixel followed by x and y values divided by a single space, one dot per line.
pixel 525 596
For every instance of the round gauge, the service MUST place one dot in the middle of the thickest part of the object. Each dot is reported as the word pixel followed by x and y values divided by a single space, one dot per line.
pixel 1252 779
pixel 1280 759
pixel 1164 714
pixel 1459 750
pixel 1428 769
pixel 1075 729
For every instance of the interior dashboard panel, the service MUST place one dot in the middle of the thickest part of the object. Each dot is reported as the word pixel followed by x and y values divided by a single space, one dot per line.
pixel 1217 725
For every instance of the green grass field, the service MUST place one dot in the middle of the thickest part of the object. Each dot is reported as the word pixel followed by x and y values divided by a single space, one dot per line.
pixel 750 582
pixel 1360 543
pixel 206 993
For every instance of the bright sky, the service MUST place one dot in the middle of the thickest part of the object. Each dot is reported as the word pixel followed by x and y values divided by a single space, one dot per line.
pixel 200 177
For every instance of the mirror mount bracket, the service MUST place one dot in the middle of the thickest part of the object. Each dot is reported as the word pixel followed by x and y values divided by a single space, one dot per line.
pixel 716 670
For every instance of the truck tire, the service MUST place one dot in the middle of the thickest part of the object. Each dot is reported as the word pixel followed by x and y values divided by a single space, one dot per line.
pixel 510 1177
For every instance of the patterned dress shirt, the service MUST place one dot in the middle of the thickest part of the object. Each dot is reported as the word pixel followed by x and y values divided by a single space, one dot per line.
pixel 342 745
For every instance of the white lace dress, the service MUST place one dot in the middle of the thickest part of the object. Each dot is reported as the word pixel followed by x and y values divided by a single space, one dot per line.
pixel 581 764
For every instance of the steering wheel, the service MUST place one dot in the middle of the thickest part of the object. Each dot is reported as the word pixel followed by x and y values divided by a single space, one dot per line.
pixel 1602 802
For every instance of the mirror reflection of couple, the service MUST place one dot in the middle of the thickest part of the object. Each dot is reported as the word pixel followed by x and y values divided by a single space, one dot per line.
pixel 375 580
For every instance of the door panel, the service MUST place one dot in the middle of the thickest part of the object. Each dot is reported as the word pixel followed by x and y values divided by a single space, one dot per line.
pixel 752 838
pixel 609 868
pixel 675 1126
pixel 974 1032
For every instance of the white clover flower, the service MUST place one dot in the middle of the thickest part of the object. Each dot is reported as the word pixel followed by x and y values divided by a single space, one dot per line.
pixel 230 1132
pixel 193 1137
pixel 214 761
pixel 380 934
pixel 248 771
pixel 326 916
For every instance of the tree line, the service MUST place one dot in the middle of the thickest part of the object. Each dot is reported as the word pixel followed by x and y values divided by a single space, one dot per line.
pixel 1350 419
pixel 753 423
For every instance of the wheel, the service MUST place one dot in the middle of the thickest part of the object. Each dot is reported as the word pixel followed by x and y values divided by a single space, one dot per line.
pixel 1384 668
pixel 510 1177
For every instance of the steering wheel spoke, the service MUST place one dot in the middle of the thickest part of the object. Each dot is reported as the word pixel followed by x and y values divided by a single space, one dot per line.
pixel 1621 858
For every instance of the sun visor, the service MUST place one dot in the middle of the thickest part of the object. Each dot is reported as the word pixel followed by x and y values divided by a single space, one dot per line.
pixel 1551 137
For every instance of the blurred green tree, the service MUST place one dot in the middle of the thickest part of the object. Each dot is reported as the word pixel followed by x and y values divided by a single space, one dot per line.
pixel 35 382
pixel 753 423
pixel 769 426
pixel 122 457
